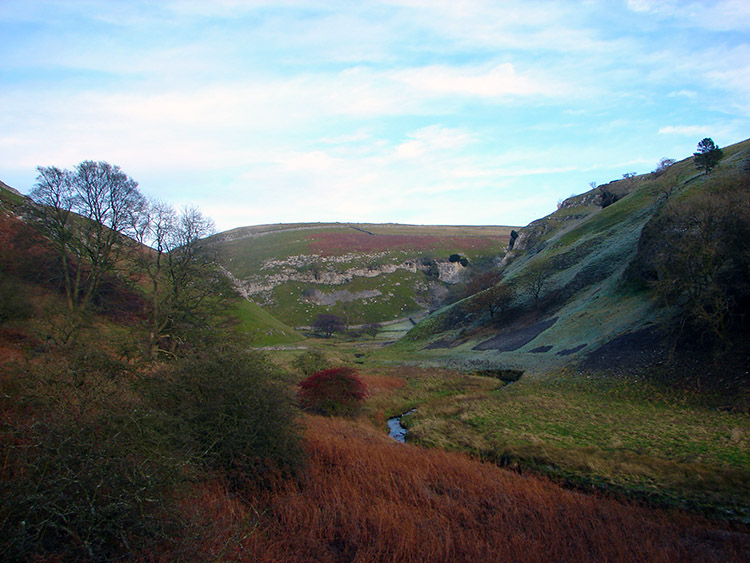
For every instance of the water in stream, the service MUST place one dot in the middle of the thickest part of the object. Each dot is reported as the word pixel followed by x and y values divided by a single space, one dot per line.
pixel 395 429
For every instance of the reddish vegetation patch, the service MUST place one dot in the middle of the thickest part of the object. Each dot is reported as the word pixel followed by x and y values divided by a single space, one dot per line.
pixel 23 251
pixel 328 244
pixel 366 498
pixel 332 391
pixel 377 384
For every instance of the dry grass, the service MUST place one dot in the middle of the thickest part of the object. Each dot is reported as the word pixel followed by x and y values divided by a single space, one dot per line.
pixel 377 384
pixel 364 498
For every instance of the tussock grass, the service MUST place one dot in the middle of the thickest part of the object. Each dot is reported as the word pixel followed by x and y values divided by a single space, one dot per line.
pixel 364 498
pixel 624 436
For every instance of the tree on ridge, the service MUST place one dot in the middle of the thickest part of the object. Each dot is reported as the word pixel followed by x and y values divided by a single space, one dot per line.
pixel 708 155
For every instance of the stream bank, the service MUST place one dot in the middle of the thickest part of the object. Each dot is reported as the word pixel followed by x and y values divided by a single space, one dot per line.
pixel 396 429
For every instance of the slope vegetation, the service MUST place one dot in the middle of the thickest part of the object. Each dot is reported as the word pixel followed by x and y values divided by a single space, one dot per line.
pixel 578 276
pixel 364 273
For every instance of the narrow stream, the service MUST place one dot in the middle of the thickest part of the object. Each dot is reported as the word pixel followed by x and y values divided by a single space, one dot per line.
pixel 395 429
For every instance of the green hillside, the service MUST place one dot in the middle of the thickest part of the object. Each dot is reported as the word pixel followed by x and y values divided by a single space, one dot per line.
pixel 260 327
pixel 584 255
pixel 364 273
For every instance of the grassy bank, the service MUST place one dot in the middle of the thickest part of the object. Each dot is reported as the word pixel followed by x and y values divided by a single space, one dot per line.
pixel 626 437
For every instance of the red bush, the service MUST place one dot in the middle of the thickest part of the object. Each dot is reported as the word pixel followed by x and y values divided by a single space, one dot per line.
pixel 332 391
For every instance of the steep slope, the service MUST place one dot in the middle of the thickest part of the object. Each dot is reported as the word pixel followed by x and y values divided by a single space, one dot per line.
pixel 25 260
pixel 364 273
pixel 261 327
pixel 574 287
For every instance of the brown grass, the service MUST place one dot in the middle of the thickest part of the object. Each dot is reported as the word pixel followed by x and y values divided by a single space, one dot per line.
pixel 366 498
pixel 379 384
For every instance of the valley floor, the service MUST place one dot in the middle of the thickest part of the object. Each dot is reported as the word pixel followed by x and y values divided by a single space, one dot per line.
pixel 365 497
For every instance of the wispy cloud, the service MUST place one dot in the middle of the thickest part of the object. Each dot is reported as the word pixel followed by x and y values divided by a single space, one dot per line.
pixel 389 110
pixel 487 82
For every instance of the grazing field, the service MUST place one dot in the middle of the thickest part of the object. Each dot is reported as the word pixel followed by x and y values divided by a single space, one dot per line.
pixel 625 437
pixel 329 243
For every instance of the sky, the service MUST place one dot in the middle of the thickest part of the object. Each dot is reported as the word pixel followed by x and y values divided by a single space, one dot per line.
pixel 467 112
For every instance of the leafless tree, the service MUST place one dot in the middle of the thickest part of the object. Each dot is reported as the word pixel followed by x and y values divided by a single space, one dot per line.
pixel 87 214
pixel 494 299
pixel 182 273
pixel 536 279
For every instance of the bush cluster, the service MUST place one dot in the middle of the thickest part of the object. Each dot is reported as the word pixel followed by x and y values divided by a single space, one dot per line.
pixel 228 414
pixel 335 391
pixel 310 361
pixel 93 454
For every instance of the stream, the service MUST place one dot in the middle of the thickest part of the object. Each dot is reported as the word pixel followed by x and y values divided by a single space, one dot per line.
pixel 395 429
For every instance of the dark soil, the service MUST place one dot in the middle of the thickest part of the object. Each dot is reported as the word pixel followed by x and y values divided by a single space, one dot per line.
pixel 515 337
pixel 686 363
pixel 633 351
pixel 439 344
pixel 569 351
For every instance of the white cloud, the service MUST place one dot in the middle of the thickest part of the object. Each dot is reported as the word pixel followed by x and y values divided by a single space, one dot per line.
pixel 717 15
pixel 407 108
pixel 691 130
pixel 692 94
pixel 488 82
pixel 433 139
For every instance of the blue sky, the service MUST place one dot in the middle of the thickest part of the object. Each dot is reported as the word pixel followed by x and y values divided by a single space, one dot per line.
pixel 414 111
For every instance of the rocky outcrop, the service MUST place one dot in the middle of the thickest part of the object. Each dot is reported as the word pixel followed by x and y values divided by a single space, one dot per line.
pixel 322 270
pixel 451 272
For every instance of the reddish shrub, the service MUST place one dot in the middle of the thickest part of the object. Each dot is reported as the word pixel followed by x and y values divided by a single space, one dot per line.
pixel 332 391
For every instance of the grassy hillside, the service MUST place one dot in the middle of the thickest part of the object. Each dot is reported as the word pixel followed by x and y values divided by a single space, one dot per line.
pixel 622 389
pixel 625 436
pixel 367 498
pixel 111 453
pixel 260 327
pixel 586 297
pixel 250 320
pixel 364 273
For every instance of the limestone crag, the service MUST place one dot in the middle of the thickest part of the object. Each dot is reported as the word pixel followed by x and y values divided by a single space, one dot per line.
pixel 450 272
pixel 323 270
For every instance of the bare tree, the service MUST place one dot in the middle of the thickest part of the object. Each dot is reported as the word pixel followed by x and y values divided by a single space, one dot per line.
pixel 700 255
pixel 664 164
pixel 183 274
pixel 87 214
pixel 536 279
pixel 110 199
pixel 494 299
pixel 53 194
pixel 328 324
